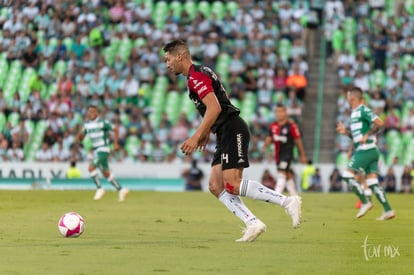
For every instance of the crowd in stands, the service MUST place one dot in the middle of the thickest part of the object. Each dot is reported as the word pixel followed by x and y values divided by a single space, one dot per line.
pixel 58 57
pixel 371 44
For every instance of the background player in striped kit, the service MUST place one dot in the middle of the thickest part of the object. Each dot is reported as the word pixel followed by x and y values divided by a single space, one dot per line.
pixel 97 129
pixel 365 125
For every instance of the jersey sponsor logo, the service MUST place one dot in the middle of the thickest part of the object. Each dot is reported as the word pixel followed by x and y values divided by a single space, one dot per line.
pixel 279 138
pixel 284 131
pixel 239 140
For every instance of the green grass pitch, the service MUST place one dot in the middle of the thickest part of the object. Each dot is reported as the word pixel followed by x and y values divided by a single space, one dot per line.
pixel 192 233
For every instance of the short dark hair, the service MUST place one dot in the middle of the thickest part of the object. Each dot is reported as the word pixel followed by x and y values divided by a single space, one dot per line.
pixel 93 107
pixel 176 46
pixel 280 105
pixel 356 91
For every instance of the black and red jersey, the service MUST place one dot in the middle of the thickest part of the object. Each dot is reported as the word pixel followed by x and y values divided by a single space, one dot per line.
pixel 202 80
pixel 283 137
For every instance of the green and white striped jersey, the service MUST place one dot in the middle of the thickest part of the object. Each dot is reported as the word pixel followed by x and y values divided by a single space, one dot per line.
pixel 360 123
pixel 98 131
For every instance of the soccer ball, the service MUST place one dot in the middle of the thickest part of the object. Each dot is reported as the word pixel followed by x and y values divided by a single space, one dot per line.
pixel 71 225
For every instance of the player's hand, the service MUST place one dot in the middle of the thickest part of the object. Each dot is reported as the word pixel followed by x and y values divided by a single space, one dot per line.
pixel 303 159
pixel 340 128
pixel 364 139
pixel 190 145
pixel 202 142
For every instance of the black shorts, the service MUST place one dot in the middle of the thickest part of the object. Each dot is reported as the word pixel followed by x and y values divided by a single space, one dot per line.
pixel 232 144
pixel 283 164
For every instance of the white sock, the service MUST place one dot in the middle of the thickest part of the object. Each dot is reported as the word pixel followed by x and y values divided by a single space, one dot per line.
pixel 237 207
pixel 257 191
pixel 280 183
pixel 291 187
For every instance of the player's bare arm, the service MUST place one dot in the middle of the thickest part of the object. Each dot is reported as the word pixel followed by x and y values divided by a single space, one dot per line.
pixel 81 135
pixel 341 129
pixel 299 145
pixel 115 129
pixel 200 137
pixel 376 128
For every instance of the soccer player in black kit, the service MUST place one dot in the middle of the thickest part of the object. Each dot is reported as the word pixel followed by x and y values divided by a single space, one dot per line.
pixel 284 134
pixel 231 157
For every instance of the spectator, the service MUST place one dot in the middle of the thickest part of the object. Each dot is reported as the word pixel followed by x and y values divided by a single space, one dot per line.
pixel 335 181
pixel 15 153
pixel 406 180
pixel 30 58
pixel 316 182
pixel 193 177
pixel 4 145
pixel 390 181
pixel 21 132
pixel 298 82
pixel 392 122
pixel 307 173
pixel 73 172
pixel 44 154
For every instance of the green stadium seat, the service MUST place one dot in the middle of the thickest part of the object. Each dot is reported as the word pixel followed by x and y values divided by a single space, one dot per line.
pixel 2 121
pixel 67 41
pixel 124 118
pixel 59 68
pixel 218 8
pixel 139 42
pixel 406 59
pixel 172 106
pixel 191 8
pixel 204 8
pixel 14 119
pixel 176 7
pixel 377 78
pixel 284 47
pixel 232 7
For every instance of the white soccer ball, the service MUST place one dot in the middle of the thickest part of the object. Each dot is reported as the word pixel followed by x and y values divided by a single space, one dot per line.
pixel 71 225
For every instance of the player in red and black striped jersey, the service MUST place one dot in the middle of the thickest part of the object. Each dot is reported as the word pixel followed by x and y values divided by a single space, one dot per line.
pixel 231 157
pixel 284 134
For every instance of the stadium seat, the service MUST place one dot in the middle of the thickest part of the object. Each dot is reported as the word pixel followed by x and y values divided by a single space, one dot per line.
pixel 232 7
pixel 377 78
pixel 2 121
pixel 172 106
pixel 204 8
pixel 218 8
pixel 59 68
pixel 191 8
pixel 176 7
pixel 14 119
pixel 284 47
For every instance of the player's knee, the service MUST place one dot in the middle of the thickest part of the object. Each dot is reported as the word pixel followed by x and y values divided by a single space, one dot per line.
pixel 106 174
pixel 215 188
